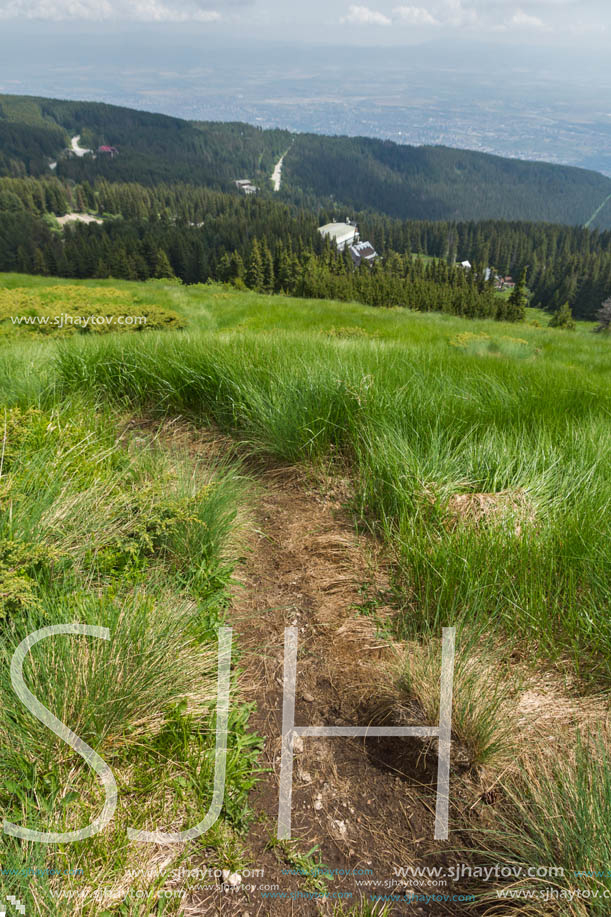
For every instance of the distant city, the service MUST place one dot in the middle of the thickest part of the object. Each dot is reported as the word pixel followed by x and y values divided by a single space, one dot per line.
pixel 417 95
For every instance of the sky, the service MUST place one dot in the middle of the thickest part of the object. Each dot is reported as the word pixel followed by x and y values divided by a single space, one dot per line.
pixel 544 22
pixel 529 78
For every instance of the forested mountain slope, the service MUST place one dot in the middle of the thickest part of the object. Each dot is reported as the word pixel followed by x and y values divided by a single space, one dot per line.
pixel 152 148
pixel 200 234
pixel 431 183
pixel 439 183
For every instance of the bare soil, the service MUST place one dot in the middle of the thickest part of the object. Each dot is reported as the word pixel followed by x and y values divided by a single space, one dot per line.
pixel 366 804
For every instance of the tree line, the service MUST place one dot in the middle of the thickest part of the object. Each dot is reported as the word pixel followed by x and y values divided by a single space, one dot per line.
pixel 198 229
pixel 140 251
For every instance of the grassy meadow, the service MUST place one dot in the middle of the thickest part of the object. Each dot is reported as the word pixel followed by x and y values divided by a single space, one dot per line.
pixel 479 453
pixel 101 526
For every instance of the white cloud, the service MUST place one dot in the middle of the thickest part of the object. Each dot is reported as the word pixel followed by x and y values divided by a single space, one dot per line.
pixel 497 15
pixel 104 10
pixel 415 15
pixel 522 19
pixel 461 15
pixel 362 15
pixel 454 13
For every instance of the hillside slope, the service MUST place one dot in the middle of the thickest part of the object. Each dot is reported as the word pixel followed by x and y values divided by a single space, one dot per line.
pixel 364 174
pixel 152 148
pixel 443 184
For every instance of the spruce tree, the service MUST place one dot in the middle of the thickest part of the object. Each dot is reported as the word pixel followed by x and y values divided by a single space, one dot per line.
pixel 517 302
pixel 254 277
pixel 286 277
pixel 224 269
pixel 119 266
pixel 163 268
pixel 268 270
pixel 238 270
pixel 39 265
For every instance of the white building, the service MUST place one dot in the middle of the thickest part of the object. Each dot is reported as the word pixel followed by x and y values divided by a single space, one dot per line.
pixel 246 185
pixel 342 234
pixel 363 251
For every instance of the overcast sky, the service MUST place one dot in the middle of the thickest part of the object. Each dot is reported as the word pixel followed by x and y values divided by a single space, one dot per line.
pixel 371 21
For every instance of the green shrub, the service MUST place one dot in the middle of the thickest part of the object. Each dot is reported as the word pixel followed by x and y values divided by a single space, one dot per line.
pixel 62 310
pixel 21 565
pixel 563 318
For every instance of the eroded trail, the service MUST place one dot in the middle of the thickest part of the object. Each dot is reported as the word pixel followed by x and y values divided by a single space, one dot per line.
pixel 365 803
pixel 277 174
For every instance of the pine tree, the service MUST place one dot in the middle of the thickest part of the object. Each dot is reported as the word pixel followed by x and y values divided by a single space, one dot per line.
pixel 224 268
pixel 254 277
pixel 119 265
pixel 24 262
pixel 238 271
pixel 163 268
pixel 517 302
pixel 268 270
pixel 39 265
pixel 101 269
pixel 286 279
pixel 81 203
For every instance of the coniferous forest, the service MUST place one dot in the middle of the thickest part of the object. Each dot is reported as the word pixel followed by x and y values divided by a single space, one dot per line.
pixel 197 235
pixel 406 182
pixel 167 205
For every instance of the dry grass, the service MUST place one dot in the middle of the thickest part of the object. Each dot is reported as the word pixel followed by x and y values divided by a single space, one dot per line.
pixel 506 507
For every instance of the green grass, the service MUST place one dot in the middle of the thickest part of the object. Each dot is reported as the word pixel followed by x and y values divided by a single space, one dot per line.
pixel 480 452
pixel 423 409
pixel 102 526
pixel 556 814
pixel 421 416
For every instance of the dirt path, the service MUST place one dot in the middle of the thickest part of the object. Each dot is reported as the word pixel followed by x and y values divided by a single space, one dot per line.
pixel 366 805
pixel 77 148
pixel 361 801
pixel 277 174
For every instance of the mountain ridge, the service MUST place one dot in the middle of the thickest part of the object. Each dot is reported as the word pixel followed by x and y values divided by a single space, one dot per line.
pixel 358 173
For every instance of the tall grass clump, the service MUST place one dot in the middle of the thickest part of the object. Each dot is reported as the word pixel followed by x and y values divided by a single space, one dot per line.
pixel 430 431
pixel 499 527
pixel 555 814
pixel 97 510
pixel 110 692
pixel 483 704
pixel 102 525
pixel 26 375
